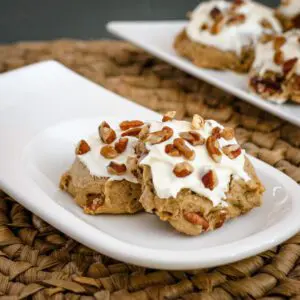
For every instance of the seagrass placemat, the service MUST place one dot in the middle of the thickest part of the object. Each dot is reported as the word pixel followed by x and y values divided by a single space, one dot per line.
pixel 39 262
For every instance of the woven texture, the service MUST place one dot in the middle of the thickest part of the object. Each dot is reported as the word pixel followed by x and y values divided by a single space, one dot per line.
pixel 38 262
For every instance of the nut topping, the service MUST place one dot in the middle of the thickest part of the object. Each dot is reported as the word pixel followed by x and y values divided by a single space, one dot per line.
pixel 116 169
pixel 82 148
pixel 266 24
pixel 227 133
pixel 184 149
pixel 216 132
pixel 121 145
pixel 232 151
pixel 278 57
pixel 158 137
pixel 212 146
pixel 198 122
pixel 140 149
pixel 169 116
pixel 215 13
pixel 196 219
pixel 106 133
pixel 236 19
pixel 125 125
pixel 108 152
pixel 132 132
pixel 144 132
pixel 210 180
pixel 171 150
pixel 279 41
pixel 289 65
pixel 217 26
pixel 183 169
pixel 193 137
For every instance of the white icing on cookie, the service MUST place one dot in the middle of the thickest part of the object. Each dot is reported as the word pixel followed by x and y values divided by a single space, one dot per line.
pixel 232 37
pixel 167 185
pixel 289 8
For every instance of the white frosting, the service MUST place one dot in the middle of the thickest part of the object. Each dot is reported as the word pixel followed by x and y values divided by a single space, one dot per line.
pixel 96 163
pixel 167 185
pixel 291 9
pixel 231 37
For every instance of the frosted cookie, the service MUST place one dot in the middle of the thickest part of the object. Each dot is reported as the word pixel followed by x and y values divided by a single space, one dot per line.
pixel 195 175
pixel 100 179
pixel 275 74
pixel 221 35
pixel 289 14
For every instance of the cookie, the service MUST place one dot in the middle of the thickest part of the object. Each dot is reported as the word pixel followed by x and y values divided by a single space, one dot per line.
pixel 289 14
pixel 221 35
pixel 275 74
pixel 195 176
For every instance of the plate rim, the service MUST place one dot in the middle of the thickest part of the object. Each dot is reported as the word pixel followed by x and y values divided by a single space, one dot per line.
pixel 136 254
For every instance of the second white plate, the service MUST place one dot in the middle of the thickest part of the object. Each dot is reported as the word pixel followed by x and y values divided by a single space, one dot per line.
pixel 157 37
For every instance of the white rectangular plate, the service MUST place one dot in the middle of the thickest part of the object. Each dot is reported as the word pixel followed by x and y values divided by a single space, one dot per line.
pixel 46 108
pixel 157 38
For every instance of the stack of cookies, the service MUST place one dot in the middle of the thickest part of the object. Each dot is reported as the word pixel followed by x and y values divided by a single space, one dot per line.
pixel 247 37
pixel 193 175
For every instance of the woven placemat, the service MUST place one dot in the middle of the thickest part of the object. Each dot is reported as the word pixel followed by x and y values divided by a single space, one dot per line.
pixel 39 262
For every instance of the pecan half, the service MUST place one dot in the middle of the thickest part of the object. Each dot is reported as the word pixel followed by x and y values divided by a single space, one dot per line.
pixel 289 65
pixel 125 125
pixel 171 150
pixel 169 116
pixel 160 136
pixel 210 180
pixel 106 133
pixel 216 132
pixel 232 151
pixel 183 169
pixel 196 219
pixel 212 146
pixel 184 149
pixel 278 42
pixel 197 122
pixel 121 144
pixel 82 148
pixel 227 133
pixel 132 132
pixel 278 57
pixel 193 137
pixel 116 169
pixel 108 152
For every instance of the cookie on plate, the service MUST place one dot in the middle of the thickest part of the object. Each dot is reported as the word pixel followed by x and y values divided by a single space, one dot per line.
pixel 195 176
pixel 100 178
pixel 289 14
pixel 275 74
pixel 221 35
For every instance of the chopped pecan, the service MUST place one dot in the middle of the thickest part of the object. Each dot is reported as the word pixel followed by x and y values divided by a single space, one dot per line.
pixel 217 26
pixel 108 151
pixel 160 136
pixel 196 219
pixel 169 116
pixel 210 180
pixel 288 65
pixel 144 132
pixel 227 133
pixel 266 24
pixel 216 132
pixel 132 132
pixel 232 151
pixel 278 57
pixel 197 122
pixel 215 13
pixel 132 165
pixel 236 19
pixel 94 201
pixel 116 169
pixel 171 150
pixel 106 133
pixel 140 149
pixel 278 42
pixel 82 148
pixel 212 146
pixel 184 149
pixel 193 137
pixel 125 125
pixel 121 144
pixel 204 26
pixel 183 169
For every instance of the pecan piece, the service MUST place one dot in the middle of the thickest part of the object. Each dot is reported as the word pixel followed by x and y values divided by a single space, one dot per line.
pixel 121 144
pixel 204 26
pixel 220 218
pixel 212 146
pixel 160 136
pixel 278 42
pixel 232 151
pixel 210 180
pixel 116 169
pixel 140 149
pixel 171 150
pixel 193 137
pixel 196 219
pixel 184 149
pixel 197 122
pixel 278 57
pixel 144 132
pixel 125 125
pixel 183 169
pixel 289 65
pixel 106 133
pixel 82 148
pixel 216 132
pixel 227 133
pixel 217 26
pixel 132 132
pixel 266 24
pixel 108 152
pixel 169 116
pixel 236 19
pixel 215 13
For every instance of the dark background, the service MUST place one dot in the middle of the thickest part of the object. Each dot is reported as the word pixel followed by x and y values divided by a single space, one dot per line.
pixel 84 19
